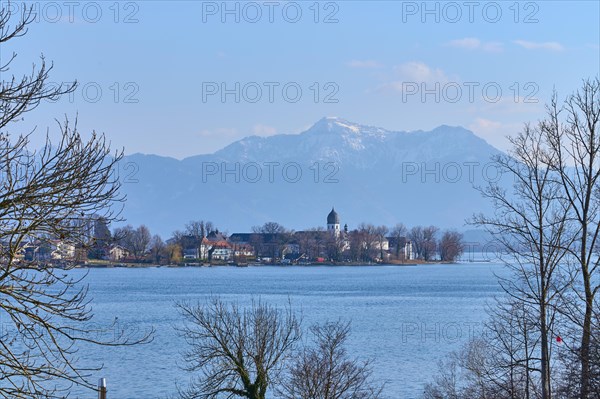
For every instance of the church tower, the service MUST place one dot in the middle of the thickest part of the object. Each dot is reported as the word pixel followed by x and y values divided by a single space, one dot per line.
pixel 333 223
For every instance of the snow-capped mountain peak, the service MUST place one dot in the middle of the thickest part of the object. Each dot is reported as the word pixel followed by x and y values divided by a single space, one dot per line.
pixel 343 127
pixel 366 170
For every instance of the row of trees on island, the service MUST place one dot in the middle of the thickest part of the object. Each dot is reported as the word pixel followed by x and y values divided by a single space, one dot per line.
pixel 367 243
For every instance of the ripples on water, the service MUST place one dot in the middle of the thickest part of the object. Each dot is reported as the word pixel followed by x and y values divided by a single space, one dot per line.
pixel 404 318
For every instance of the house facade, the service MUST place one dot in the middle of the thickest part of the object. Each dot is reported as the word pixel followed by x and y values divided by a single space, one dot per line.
pixel 117 253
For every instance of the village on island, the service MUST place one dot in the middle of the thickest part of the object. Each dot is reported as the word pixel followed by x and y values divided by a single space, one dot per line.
pixel 201 244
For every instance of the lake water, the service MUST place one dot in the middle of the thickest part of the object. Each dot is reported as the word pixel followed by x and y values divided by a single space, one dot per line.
pixel 403 318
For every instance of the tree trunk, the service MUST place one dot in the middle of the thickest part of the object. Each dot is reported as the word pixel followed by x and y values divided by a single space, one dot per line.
pixel 586 339
pixel 527 380
pixel 546 393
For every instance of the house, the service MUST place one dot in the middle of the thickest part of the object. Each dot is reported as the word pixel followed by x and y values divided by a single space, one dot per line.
pixel 190 245
pixel 190 253
pixel 222 251
pixel 215 247
pixel 270 245
pixel 62 250
pixel 216 250
pixel 383 245
pixel 242 249
pixel 117 253
pixel 403 246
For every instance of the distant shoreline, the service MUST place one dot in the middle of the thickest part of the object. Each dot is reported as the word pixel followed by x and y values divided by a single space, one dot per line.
pixel 280 265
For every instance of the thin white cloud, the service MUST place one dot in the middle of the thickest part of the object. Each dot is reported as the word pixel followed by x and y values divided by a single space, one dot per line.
pixel 415 72
pixel 264 130
pixel 552 46
pixel 468 43
pixel 364 64
pixel 472 43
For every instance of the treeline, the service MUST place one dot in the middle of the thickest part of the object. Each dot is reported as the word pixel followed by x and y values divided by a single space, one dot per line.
pixel 367 243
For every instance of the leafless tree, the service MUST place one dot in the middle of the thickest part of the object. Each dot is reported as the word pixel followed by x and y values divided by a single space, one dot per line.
pixel 238 352
pixel 310 242
pixel 269 228
pixel 531 221
pixel 195 228
pixel 367 236
pixel 416 237
pixel 497 365
pixel 257 242
pixel 23 94
pixel 136 241
pixel 429 246
pixel 177 236
pixel 101 239
pixel 325 370
pixel 399 232
pixel 446 383
pixel 380 234
pixel 550 223
pixel 140 241
pixel 334 245
pixel 570 360
pixel 356 250
pixel 424 241
pixel 158 249
pixel 512 341
pixel 45 194
pixel 451 246
pixel 273 238
pixel 571 131
pixel 198 229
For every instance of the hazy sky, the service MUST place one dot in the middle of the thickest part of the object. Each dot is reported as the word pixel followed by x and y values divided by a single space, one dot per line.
pixel 185 78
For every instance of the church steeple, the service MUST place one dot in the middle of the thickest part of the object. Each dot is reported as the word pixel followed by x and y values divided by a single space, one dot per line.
pixel 333 222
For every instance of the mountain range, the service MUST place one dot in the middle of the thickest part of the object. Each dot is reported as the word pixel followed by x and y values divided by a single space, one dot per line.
pixel 369 174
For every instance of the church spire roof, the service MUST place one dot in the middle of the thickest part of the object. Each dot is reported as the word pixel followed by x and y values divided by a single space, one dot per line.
pixel 333 217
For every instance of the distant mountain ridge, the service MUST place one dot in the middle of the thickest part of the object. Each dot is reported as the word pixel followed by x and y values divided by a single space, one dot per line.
pixel 369 173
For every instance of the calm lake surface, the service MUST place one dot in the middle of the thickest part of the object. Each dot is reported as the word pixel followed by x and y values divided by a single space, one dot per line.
pixel 403 318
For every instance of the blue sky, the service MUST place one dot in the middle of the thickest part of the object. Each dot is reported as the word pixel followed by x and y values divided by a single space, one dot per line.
pixel 151 73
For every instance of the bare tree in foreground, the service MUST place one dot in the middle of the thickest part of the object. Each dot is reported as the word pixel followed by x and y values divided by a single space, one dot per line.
pixel 550 224
pixel 46 196
pixel 238 352
pixel 247 352
pixel 572 131
pixel 531 221
pixel 325 370
pixel 498 365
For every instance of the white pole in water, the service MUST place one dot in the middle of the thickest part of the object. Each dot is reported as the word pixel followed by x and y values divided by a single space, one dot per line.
pixel 102 388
